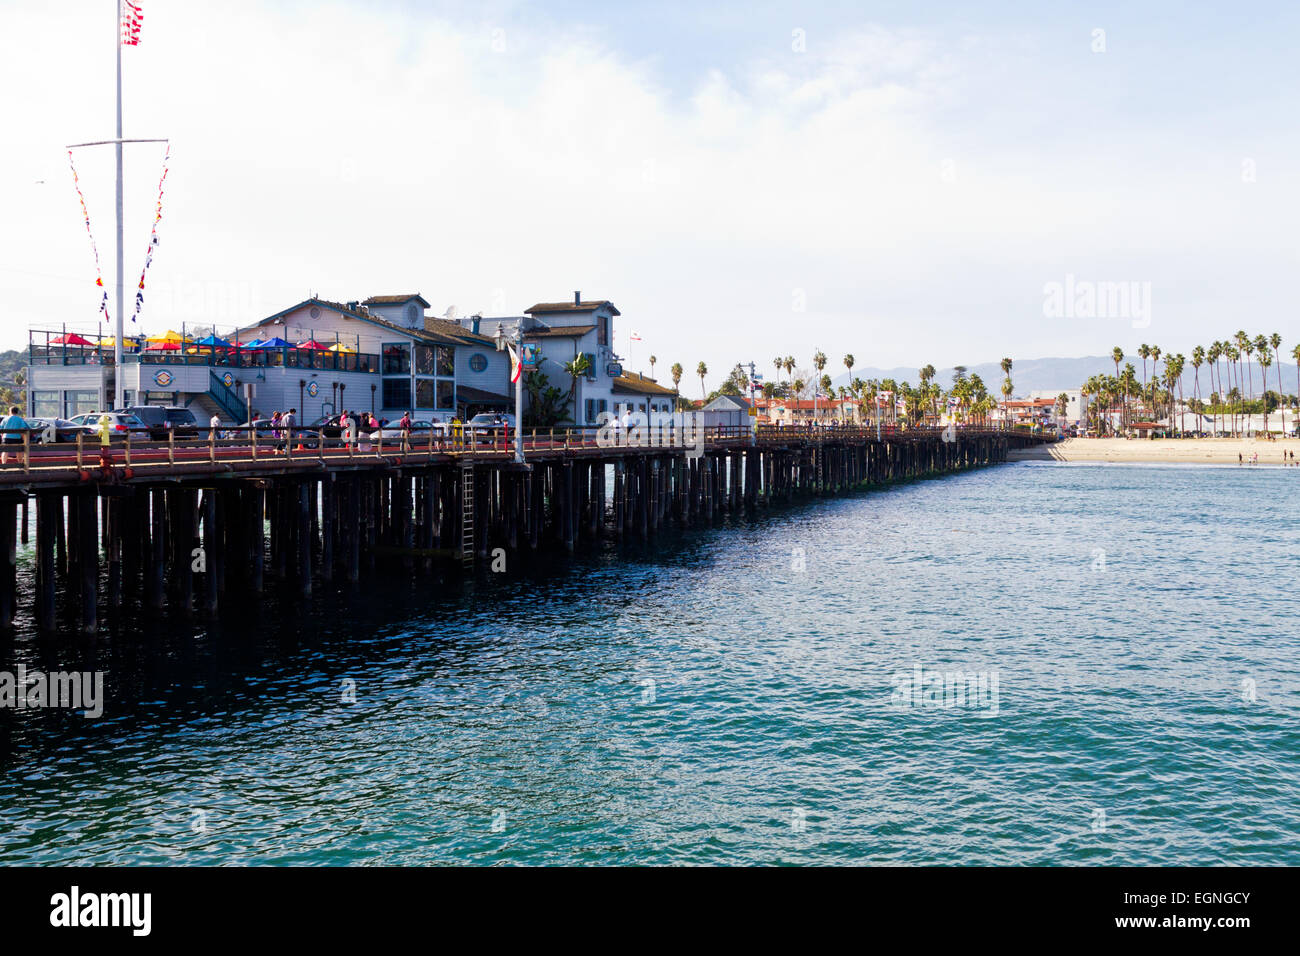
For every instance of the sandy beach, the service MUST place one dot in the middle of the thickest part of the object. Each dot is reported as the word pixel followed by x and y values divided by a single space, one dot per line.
pixel 1189 451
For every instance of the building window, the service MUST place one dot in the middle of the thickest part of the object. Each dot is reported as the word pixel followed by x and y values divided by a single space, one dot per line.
pixel 45 404
pixel 397 393
pixel 397 358
pixel 424 359
pixel 446 394
pixel 424 393
pixel 478 362
pixel 81 402
pixel 602 330
pixel 446 361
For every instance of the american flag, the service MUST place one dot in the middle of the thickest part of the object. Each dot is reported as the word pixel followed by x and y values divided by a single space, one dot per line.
pixel 132 18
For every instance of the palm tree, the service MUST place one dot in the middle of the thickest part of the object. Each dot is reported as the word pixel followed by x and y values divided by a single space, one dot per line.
pixel 652 366
pixel 778 363
pixel 580 367
pixel 1295 354
pixel 1117 356
pixel 1006 385
pixel 789 365
pixel 702 370
pixel 1232 356
pixel 676 372
pixel 1198 359
pixel 849 362
pixel 819 361
pixel 1265 360
pixel 1275 341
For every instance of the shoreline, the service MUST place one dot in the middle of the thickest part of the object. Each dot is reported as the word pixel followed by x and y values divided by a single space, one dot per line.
pixel 1169 451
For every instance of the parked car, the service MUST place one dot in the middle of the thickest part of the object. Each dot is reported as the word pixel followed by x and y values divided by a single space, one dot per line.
pixel 487 427
pixel 64 430
pixel 120 424
pixel 162 420
pixel 420 430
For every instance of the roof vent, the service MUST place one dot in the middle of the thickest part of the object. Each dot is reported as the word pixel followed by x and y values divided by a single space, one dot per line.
pixel 577 299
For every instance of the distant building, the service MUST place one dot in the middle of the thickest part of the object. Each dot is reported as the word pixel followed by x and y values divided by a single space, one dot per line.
pixel 1076 404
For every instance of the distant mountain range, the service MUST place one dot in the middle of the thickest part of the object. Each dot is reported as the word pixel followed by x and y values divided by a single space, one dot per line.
pixel 1054 374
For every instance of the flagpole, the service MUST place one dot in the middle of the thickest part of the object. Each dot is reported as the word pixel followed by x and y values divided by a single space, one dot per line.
pixel 118 377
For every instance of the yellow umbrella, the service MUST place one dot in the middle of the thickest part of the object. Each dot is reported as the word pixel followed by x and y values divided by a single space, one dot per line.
pixel 340 347
pixel 170 336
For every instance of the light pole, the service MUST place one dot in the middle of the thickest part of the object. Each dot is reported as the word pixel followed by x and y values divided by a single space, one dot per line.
pixel 501 338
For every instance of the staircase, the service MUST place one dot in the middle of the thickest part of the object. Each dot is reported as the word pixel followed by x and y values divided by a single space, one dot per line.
pixel 231 407
pixel 467 516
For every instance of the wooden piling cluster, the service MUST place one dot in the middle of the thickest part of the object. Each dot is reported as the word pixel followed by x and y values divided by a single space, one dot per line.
pixel 194 544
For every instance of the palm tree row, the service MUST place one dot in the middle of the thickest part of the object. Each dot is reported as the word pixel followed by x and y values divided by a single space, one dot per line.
pixel 1120 397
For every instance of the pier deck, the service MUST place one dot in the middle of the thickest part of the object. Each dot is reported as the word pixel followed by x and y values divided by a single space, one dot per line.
pixel 180 526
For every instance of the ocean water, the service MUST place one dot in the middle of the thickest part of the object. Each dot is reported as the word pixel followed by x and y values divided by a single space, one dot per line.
pixel 748 693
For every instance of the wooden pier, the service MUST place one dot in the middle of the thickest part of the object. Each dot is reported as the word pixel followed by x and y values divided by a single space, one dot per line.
pixel 184 528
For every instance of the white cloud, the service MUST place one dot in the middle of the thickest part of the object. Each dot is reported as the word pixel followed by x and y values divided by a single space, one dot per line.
pixel 330 149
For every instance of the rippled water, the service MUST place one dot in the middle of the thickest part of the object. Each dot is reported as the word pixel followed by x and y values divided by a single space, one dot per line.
pixel 730 695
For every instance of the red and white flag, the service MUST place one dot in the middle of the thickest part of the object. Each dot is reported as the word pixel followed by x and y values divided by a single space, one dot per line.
pixel 634 336
pixel 132 18
pixel 516 363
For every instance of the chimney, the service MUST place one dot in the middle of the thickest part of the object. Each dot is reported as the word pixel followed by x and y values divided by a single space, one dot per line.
pixel 577 299
pixel 476 320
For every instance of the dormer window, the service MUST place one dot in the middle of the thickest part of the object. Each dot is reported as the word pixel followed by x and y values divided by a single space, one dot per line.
pixel 413 313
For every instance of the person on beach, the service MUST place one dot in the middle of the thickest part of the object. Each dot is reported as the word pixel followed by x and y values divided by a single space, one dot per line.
pixel 13 425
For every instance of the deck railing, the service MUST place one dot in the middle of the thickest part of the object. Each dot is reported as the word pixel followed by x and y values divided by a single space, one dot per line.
pixel 47 452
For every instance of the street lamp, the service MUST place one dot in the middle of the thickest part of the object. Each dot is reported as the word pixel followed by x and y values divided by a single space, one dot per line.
pixel 501 338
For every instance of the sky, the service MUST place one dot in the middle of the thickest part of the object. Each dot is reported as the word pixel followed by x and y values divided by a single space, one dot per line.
pixel 905 182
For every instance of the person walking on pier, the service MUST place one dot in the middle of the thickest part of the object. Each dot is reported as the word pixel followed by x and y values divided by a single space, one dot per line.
pixel 290 417
pixel 348 428
pixel 405 426
pixel 14 425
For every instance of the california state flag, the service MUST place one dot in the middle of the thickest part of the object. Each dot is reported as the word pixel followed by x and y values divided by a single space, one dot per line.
pixel 516 366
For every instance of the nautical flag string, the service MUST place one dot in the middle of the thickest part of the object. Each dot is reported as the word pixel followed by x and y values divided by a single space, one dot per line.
pixel 85 214
pixel 132 19
pixel 153 237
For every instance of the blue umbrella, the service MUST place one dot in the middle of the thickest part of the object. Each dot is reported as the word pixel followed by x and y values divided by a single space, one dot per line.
pixel 213 341
pixel 256 343
pixel 275 343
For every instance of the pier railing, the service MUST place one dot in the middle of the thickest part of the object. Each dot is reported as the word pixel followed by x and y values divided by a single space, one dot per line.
pixel 82 454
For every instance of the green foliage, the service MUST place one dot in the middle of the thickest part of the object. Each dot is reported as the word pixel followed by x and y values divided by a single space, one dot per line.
pixel 547 405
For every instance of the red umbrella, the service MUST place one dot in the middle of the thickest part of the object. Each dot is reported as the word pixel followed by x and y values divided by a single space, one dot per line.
pixel 163 347
pixel 312 344
pixel 72 338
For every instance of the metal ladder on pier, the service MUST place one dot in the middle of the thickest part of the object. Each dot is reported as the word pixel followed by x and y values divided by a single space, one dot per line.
pixel 467 516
